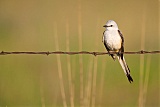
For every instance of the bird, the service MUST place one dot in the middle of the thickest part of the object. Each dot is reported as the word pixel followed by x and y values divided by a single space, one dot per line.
pixel 113 41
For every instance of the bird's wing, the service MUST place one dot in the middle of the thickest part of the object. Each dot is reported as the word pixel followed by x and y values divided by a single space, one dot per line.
pixel 122 44
pixel 103 37
pixel 121 36
pixel 105 44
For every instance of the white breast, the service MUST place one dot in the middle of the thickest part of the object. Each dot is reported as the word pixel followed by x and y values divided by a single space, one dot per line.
pixel 112 39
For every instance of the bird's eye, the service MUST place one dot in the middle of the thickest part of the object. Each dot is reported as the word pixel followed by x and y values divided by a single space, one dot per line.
pixel 111 25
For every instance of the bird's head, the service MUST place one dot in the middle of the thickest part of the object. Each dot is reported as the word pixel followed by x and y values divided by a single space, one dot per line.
pixel 111 25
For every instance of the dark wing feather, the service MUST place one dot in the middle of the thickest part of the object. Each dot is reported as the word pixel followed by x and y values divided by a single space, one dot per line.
pixel 103 32
pixel 122 44
pixel 105 43
pixel 112 55
pixel 106 46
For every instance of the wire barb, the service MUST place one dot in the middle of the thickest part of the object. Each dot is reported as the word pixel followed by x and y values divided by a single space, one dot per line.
pixel 80 52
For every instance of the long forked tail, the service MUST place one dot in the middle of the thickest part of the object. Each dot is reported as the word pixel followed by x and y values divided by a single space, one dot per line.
pixel 125 67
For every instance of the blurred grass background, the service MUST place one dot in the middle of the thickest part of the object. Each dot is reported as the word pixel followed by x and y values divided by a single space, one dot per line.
pixel 33 80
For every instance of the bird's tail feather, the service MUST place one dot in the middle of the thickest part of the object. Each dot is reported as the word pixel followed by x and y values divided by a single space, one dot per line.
pixel 125 67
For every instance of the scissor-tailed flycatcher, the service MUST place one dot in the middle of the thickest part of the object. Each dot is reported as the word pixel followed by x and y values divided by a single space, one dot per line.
pixel 113 41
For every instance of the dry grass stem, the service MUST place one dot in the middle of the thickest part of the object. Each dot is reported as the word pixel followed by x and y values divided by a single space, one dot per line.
pixel 80 56
pixel 94 82
pixel 59 68
pixel 159 55
pixel 95 68
pixel 102 81
pixel 148 65
pixel 69 67
pixel 142 59
pixel 42 96
pixel 88 87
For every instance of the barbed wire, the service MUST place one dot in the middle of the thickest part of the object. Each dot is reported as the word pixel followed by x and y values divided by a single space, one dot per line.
pixel 80 52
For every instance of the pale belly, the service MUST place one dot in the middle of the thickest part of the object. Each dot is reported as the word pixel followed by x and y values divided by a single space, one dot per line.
pixel 113 41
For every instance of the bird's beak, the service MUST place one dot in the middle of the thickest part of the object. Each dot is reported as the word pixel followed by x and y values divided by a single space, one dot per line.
pixel 105 26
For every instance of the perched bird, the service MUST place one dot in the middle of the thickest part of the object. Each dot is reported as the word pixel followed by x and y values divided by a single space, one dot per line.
pixel 114 42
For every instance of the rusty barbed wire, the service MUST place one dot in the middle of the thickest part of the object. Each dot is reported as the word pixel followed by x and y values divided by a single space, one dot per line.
pixel 80 52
